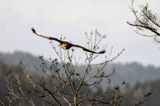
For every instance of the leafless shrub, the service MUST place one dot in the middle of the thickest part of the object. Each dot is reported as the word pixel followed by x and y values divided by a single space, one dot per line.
pixel 146 22
pixel 62 83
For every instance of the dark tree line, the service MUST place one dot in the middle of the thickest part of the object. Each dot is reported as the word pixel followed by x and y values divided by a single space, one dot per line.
pixel 16 88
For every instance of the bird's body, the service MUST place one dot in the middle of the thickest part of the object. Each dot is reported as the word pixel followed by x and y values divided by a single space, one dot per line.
pixel 65 44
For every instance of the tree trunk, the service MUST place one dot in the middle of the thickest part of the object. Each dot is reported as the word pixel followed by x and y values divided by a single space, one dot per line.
pixel 75 100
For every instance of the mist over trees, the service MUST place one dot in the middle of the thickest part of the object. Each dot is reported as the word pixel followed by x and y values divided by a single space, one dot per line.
pixel 129 93
pixel 125 72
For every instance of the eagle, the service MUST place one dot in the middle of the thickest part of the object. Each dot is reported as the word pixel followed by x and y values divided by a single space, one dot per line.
pixel 65 44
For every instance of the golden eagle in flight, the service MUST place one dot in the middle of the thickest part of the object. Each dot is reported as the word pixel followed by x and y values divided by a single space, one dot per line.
pixel 66 45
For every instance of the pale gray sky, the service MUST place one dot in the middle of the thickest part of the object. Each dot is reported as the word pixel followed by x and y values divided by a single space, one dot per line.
pixel 71 18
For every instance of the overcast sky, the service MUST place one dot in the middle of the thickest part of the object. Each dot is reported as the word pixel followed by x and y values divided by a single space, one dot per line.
pixel 71 18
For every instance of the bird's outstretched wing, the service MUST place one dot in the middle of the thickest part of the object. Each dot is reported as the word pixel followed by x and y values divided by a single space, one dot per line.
pixel 87 50
pixel 69 45
pixel 46 37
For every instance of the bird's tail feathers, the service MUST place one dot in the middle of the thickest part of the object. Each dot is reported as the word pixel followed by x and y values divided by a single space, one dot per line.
pixel 102 52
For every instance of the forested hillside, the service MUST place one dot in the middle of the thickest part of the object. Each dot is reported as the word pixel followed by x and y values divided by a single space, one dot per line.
pixel 130 94
pixel 129 72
